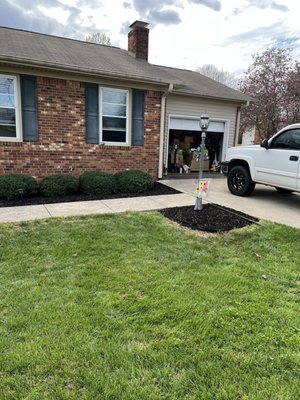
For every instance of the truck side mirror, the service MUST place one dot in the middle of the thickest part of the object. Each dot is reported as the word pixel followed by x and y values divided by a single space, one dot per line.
pixel 265 144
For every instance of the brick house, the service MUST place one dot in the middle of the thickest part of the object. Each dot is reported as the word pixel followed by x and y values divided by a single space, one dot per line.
pixel 68 106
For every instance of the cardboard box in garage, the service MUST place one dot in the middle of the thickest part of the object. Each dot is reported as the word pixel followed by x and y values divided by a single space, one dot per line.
pixel 195 165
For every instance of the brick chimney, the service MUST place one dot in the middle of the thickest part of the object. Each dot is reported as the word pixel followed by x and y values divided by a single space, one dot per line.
pixel 138 40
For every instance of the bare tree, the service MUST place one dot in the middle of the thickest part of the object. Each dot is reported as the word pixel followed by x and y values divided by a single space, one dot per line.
pixel 99 38
pixel 219 75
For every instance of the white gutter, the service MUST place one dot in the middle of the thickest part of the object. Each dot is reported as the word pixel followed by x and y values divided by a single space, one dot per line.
pixel 162 129
pixel 57 67
pixel 237 126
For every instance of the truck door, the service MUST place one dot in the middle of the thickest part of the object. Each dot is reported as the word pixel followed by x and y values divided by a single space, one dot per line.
pixel 280 164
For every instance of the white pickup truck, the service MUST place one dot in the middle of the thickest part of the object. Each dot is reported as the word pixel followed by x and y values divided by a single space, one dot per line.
pixel 276 162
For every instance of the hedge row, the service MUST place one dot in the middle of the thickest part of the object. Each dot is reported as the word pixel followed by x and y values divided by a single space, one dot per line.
pixel 14 186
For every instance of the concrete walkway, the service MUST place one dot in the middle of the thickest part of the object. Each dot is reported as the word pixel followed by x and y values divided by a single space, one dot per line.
pixel 147 203
pixel 265 203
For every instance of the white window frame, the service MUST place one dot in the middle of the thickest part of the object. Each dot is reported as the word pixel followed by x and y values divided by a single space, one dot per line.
pixel 111 143
pixel 18 137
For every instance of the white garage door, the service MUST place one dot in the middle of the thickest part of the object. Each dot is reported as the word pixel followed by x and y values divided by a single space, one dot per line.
pixel 192 124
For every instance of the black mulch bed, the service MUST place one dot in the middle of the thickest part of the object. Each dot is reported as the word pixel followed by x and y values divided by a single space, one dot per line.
pixel 157 189
pixel 212 218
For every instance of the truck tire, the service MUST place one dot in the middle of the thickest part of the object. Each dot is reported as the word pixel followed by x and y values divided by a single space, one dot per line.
pixel 239 181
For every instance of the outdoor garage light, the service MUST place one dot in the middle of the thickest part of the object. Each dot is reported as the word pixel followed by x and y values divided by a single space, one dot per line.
pixel 204 122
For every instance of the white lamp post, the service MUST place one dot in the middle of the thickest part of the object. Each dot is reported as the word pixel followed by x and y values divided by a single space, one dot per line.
pixel 204 122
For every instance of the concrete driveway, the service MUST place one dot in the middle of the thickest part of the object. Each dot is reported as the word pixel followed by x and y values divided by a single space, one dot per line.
pixel 265 202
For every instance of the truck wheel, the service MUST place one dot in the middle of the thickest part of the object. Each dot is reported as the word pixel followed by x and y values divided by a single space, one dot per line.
pixel 239 181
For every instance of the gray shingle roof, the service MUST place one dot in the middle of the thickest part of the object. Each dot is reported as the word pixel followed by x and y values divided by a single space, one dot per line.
pixel 196 84
pixel 57 53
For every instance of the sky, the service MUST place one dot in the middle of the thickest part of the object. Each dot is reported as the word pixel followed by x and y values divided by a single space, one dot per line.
pixel 183 33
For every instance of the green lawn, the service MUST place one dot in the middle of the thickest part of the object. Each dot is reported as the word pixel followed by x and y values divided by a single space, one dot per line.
pixel 131 306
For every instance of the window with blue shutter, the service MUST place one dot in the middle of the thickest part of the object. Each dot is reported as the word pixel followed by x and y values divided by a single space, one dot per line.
pixel 9 105
pixel 138 117
pixel 92 113
pixel 29 108
pixel 107 115
pixel 114 115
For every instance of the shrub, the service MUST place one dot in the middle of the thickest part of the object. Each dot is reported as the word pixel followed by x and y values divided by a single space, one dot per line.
pixel 97 183
pixel 58 185
pixel 14 186
pixel 133 181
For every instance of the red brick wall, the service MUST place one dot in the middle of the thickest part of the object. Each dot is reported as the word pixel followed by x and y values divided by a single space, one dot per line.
pixel 138 42
pixel 62 148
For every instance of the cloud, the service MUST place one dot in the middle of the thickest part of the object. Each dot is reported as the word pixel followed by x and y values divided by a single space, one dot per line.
pixel 287 42
pixel 127 5
pixel 29 4
pixel 165 17
pixel 94 4
pixel 277 35
pixel 213 4
pixel 255 34
pixel 262 5
pixel 144 6
pixel 17 16
pixel 157 11
pixel 125 28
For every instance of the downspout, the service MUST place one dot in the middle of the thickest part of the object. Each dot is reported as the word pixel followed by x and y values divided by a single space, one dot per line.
pixel 237 126
pixel 162 129
pixel 237 123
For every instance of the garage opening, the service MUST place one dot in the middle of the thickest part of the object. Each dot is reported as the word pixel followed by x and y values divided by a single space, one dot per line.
pixel 184 142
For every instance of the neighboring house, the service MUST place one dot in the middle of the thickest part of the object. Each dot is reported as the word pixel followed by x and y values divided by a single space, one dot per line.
pixel 251 136
pixel 68 106
pixel 248 137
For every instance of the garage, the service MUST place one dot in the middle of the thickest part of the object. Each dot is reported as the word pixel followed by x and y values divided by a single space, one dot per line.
pixel 184 140
pixel 183 103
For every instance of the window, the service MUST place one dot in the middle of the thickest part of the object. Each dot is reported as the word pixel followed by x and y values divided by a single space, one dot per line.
pixel 107 115
pixel 9 127
pixel 287 140
pixel 113 115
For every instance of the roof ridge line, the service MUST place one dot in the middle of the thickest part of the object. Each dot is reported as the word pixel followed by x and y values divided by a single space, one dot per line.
pixel 58 37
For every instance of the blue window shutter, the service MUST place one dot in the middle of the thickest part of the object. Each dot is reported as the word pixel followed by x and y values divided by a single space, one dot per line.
pixel 29 108
pixel 92 113
pixel 138 97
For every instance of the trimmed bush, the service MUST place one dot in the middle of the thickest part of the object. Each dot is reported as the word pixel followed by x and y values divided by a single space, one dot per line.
pixel 133 181
pixel 58 185
pixel 13 186
pixel 97 183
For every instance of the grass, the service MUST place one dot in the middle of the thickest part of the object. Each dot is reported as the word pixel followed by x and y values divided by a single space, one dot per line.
pixel 131 307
